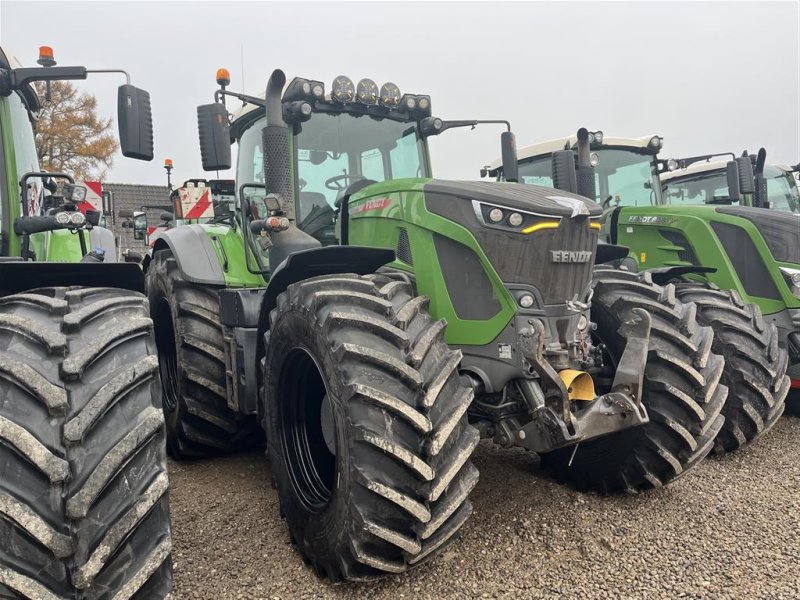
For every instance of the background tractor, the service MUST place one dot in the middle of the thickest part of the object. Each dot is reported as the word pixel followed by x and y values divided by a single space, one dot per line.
pixel 735 263
pixel 699 180
pixel 84 507
pixel 375 322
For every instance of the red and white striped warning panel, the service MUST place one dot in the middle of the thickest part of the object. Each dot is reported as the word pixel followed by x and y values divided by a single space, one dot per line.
pixel 196 202
pixel 94 196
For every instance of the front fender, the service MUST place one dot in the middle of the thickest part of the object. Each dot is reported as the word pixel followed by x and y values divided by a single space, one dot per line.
pixel 197 260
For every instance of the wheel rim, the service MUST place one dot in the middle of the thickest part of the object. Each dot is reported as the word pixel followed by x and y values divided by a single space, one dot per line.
pixel 167 355
pixel 310 464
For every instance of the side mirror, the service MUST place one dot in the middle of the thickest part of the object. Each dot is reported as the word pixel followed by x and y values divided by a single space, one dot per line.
pixel 732 173
pixel 508 149
pixel 564 177
pixel 215 136
pixel 140 227
pixel 167 217
pixel 135 122
pixel 746 176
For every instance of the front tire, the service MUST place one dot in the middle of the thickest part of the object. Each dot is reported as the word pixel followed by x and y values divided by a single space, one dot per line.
pixel 366 425
pixel 755 367
pixel 191 353
pixel 681 391
pixel 84 508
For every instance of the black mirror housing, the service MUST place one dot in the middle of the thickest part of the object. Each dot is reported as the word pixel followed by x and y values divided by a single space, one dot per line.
pixel 746 176
pixel 732 173
pixel 563 169
pixel 508 148
pixel 135 120
pixel 215 136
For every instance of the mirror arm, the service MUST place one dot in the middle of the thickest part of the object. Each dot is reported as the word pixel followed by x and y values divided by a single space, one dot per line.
pixel 127 76
pixel 242 97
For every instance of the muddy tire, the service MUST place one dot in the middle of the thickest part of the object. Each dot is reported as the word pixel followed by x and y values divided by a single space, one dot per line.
pixel 366 425
pixel 682 392
pixel 755 367
pixel 191 354
pixel 84 509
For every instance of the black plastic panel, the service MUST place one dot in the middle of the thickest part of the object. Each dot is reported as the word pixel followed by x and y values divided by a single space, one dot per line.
pixel 751 270
pixel 781 231
pixel 468 286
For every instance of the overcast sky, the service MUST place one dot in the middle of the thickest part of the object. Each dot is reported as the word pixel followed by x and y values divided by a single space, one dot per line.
pixel 708 77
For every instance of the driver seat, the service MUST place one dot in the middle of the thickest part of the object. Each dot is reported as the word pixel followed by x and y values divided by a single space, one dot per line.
pixel 310 200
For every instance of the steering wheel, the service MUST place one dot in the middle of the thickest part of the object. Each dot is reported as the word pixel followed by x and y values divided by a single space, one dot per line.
pixel 337 182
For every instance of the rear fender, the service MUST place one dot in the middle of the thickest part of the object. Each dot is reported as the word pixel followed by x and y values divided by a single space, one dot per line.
pixel 193 251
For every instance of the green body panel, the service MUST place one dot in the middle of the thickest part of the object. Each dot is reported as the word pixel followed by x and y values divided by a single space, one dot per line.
pixel 380 211
pixel 59 246
pixel 11 193
pixel 650 249
pixel 230 249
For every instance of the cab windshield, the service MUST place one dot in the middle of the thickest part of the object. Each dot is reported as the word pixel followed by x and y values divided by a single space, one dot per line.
pixel 333 151
pixel 710 187
pixel 782 191
pixel 622 177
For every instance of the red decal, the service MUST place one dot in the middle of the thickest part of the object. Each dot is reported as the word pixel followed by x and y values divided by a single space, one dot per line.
pixel 200 207
pixel 372 205
pixel 795 383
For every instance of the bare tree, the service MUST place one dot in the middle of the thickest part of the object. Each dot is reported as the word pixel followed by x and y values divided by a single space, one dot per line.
pixel 70 137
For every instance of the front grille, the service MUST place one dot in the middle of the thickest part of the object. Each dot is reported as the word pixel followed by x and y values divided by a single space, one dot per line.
pixel 747 263
pixel 676 238
pixel 529 259
pixel 404 248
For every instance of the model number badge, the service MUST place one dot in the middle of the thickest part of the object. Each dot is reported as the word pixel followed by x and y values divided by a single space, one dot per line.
pixel 504 351
pixel 571 256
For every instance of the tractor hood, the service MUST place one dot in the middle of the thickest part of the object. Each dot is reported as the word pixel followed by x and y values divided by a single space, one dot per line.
pixel 541 200
pixel 780 230
pixel 549 245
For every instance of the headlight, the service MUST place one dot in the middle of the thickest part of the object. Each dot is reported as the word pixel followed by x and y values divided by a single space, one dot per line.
pixel 389 95
pixel 526 301
pixel 792 277
pixel 583 323
pixel 594 159
pixel 495 215
pixel 343 90
pixel 77 219
pixel 62 218
pixel 672 164
pixel 367 92
pixel 655 142
pixel 515 219
pixel 598 137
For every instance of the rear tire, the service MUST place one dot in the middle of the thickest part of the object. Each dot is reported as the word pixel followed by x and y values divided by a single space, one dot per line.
pixel 394 490
pixel 191 353
pixel 84 507
pixel 755 367
pixel 681 392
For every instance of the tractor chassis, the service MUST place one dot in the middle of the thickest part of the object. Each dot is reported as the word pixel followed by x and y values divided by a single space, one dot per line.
pixel 553 424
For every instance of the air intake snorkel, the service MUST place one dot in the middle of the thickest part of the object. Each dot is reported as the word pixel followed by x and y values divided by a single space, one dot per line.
pixel 278 179
pixel 276 147
pixel 585 169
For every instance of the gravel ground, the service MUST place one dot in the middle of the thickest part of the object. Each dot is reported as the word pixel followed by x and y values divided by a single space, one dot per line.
pixel 729 529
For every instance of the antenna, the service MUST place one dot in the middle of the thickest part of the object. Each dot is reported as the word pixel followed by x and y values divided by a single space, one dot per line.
pixel 241 53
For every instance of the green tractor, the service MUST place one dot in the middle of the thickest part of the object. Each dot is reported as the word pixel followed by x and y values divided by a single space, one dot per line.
pixel 375 323
pixel 699 180
pixel 84 510
pixel 736 264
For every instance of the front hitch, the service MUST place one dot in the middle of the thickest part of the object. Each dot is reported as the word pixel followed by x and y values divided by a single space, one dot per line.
pixel 554 425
